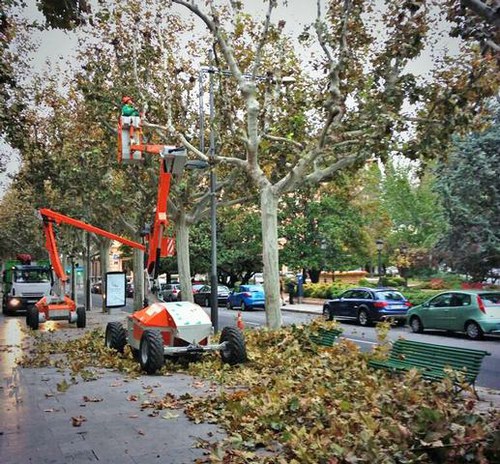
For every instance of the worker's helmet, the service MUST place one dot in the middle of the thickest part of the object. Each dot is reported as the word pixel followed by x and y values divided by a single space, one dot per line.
pixel 126 99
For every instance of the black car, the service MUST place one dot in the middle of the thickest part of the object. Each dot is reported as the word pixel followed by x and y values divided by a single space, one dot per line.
pixel 367 305
pixel 202 296
pixel 96 287
pixel 129 290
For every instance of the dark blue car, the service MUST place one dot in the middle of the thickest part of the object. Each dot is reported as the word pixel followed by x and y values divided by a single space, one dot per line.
pixel 368 305
pixel 247 297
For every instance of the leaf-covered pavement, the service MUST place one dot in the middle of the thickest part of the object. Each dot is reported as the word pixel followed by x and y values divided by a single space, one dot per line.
pixel 297 402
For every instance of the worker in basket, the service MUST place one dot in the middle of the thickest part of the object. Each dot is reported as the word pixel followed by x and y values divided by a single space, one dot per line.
pixel 129 110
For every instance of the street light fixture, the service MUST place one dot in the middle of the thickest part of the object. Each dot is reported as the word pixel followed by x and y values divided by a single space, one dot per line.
pixel 380 245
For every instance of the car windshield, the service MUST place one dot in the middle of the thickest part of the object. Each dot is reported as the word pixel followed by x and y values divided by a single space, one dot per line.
pixel 390 295
pixel 490 298
pixel 32 276
pixel 221 288
pixel 252 288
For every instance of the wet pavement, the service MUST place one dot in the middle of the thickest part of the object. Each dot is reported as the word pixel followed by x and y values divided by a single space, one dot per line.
pixel 98 421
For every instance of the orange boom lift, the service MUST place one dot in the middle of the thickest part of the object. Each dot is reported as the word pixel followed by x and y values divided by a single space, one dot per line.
pixel 164 329
pixel 58 306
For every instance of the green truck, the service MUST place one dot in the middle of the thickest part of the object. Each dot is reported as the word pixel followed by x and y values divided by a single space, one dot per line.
pixel 23 283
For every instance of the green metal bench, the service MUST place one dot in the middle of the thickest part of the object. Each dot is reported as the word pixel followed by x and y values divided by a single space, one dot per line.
pixel 326 337
pixel 432 360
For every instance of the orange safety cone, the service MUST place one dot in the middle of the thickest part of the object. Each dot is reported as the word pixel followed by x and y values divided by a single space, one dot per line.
pixel 239 321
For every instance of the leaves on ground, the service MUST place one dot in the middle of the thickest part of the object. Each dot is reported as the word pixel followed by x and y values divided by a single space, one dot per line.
pixel 297 402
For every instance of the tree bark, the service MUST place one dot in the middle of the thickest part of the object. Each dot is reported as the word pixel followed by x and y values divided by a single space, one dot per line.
pixel 182 248
pixel 270 256
pixel 139 278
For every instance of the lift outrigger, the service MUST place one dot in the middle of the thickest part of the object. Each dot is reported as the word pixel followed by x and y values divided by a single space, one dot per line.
pixel 58 306
pixel 165 329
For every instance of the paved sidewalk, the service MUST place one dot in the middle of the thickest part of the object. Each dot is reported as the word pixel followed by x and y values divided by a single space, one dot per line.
pixel 97 421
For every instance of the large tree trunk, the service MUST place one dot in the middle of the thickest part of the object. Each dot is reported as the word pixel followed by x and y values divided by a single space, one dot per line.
pixel 269 214
pixel 104 245
pixel 182 248
pixel 139 277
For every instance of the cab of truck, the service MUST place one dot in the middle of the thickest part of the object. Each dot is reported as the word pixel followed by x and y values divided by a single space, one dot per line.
pixel 23 285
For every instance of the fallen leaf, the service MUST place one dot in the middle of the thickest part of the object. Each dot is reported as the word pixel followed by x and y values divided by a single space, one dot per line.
pixel 92 399
pixel 140 432
pixel 62 386
pixel 77 421
pixel 133 416
pixel 170 415
pixel 132 398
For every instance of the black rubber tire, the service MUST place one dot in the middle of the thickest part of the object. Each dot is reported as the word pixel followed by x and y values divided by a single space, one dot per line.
pixel 32 319
pixel 473 330
pixel 151 351
pixel 363 319
pixel 229 305
pixel 116 336
pixel 244 307
pixel 235 351
pixel 416 325
pixel 327 315
pixel 81 317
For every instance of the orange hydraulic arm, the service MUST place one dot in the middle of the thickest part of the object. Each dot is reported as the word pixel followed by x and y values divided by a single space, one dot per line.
pixel 50 217
pixel 158 245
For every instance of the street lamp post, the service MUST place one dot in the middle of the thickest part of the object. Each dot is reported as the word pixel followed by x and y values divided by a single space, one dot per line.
pixel 214 315
pixel 380 245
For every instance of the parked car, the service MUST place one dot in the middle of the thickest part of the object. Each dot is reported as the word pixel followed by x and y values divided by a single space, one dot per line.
pixel 475 312
pixel 96 287
pixel 195 287
pixel 247 297
pixel 129 290
pixel 368 305
pixel 169 292
pixel 202 296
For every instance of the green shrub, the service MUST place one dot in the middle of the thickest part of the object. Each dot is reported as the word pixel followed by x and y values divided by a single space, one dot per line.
pixel 417 296
pixel 392 281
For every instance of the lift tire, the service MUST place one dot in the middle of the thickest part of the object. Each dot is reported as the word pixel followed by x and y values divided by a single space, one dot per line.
pixel 116 336
pixel 151 354
pixel 81 317
pixel 32 319
pixel 235 351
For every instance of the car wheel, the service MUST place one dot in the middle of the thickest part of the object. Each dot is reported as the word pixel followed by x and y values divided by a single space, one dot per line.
pixel 32 318
pixel 151 351
pixel 81 317
pixel 235 351
pixel 229 305
pixel 473 331
pixel 243 306
pixel 416 325
pixel 207 302
pixel 116 336
pixel 363 318
pixel 327 315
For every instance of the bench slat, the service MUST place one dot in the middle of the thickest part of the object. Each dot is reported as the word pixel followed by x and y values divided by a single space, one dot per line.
pixel 432 360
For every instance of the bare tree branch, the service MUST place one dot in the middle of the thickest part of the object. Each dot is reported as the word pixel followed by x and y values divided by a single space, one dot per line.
pixel 275 138
pixel 262 41
pixel 492 16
